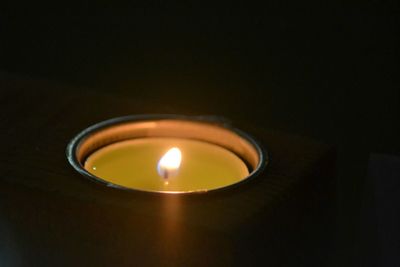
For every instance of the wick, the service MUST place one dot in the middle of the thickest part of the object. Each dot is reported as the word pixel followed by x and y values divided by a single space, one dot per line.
pixel 166 182
pixel 165 175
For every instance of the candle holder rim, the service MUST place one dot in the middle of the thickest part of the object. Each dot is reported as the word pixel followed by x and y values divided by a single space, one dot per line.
pixel 73 145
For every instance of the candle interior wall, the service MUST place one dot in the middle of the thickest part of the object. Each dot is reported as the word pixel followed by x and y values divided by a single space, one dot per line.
pixel 53 212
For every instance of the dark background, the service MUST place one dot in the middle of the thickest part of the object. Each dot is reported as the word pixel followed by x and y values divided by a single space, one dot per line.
pixel 327 70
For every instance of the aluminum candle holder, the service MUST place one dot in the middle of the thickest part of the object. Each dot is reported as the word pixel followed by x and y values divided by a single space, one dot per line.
pixel 126 153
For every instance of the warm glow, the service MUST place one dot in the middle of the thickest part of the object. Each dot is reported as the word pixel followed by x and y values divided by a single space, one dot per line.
pixel 169 163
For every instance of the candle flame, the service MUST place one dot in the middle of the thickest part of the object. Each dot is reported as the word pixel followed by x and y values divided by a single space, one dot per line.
pixel 169 163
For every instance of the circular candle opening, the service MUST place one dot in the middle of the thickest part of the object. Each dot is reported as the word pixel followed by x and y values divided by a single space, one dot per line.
pixel 166 154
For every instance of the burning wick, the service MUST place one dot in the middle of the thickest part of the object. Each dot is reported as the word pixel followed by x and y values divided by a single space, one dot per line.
pixel 168 166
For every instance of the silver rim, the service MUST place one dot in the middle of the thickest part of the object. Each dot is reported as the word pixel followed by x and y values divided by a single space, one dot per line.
pixel 74 144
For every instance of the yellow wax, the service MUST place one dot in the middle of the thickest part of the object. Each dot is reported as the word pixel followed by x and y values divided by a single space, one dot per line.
pixel 133 164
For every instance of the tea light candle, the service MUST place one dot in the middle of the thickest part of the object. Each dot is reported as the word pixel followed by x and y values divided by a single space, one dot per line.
pixel 149 164
pixel 168 154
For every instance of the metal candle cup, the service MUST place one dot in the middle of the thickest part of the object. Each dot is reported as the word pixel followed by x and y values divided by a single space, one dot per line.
pixel 129 153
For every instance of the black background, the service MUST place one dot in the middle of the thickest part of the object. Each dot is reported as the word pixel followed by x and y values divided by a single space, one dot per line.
pixel 321 69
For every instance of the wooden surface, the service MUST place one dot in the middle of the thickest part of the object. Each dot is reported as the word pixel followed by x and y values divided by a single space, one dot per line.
pixel 53 216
